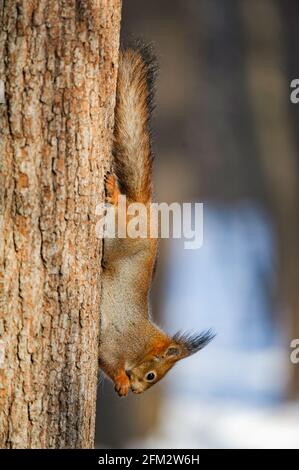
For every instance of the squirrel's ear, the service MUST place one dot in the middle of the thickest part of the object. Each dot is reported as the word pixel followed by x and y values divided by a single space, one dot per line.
pixel 174 350
pixel 189 344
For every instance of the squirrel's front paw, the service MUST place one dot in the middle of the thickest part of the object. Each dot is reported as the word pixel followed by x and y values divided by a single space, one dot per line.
pixel 122 384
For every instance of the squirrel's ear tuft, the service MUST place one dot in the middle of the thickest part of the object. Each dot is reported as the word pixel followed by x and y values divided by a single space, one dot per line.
pixel 191 343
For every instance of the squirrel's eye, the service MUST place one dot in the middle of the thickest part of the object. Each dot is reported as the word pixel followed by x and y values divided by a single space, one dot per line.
pixel 150 376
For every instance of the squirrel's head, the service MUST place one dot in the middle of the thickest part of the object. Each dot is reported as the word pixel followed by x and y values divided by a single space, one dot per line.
pixel 162 357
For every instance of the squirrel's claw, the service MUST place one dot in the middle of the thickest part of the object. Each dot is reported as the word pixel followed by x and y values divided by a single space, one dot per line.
pixel 122 390
pixel 122 384
pixel 111 187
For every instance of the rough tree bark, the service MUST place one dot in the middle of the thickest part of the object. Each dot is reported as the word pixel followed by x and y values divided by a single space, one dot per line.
pixel 58 62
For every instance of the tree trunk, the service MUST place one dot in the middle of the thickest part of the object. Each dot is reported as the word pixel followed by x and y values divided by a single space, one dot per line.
pixel 58 64
pixel 269 91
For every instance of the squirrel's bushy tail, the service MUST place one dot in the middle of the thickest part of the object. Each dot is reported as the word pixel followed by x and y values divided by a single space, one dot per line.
pixel 134 103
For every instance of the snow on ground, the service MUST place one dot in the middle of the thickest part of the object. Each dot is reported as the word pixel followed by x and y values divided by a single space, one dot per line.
pixel 211 425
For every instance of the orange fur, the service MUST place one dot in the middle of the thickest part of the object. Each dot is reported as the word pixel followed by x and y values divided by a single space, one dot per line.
pixel 122 382
pixel 112 190
pixel 132 146
pixel 134 352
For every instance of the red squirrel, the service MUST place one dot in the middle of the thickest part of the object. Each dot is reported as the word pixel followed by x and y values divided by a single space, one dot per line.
pixel 134 352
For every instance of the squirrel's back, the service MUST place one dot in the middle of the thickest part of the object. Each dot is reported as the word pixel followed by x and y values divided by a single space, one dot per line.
pixel 134 103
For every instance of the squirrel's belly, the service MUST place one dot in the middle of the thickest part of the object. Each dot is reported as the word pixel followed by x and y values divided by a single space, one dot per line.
pixel 104 321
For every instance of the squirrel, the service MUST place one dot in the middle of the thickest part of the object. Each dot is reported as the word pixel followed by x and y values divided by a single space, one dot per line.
pixel 134 353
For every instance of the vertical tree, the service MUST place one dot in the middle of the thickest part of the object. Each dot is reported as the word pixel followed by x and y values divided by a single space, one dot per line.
pixel 269 90
pixel 58 65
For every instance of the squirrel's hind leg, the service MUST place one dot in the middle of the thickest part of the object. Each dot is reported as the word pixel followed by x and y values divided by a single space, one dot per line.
pixel 111 188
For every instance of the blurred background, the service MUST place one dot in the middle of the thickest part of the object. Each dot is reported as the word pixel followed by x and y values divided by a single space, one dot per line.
pixel 226 134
